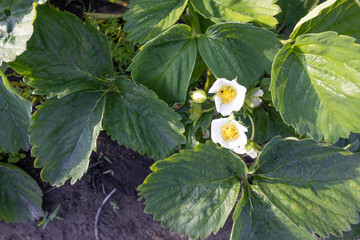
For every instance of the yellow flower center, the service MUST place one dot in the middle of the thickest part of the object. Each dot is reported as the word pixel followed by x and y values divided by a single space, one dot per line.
pixel 227 94
pixel 229 132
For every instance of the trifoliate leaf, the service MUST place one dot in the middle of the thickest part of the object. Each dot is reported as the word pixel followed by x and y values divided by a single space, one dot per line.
pixel 64 133
pixel 314 185
pixel 20 196
pixel 315 85
pixel 148 18
pixel 166 63
pixel 64 55
pixel 256 218
pixel 239 50
pixel 342 16
pixel 260 12
pixel 16 27
pixel 292 11
pixel 15 114
pixel 194 191
pixel 135 117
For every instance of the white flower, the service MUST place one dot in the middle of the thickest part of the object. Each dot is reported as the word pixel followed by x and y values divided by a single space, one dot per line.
pixel 199 96
pixel 229 97
pixel 256 97
pixel 230 134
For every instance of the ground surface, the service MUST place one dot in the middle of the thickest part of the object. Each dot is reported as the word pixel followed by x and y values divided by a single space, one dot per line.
pixel 80 202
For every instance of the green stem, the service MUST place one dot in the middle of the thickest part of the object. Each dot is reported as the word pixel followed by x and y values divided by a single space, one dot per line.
pixel 195 24
pixel 252 127
pixel 208 110
pixel 208 81
pixel 286 41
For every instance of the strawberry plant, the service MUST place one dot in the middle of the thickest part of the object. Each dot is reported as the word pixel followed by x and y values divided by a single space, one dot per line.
pixel 213 81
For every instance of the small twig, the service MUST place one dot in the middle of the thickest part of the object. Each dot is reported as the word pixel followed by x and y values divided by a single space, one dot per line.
pixel 95 164
pixel 99 211
pixel 93 182
pixel 49 190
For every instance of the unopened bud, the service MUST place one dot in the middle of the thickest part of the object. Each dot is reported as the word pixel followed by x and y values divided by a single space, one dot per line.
pixel 199 96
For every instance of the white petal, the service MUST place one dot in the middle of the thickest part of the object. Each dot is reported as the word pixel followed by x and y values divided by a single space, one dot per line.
pixel 218 84
pixel 240 141
pixel 256 101
pixel 198 95
pixel 225 144
pixel 216 129
pixel 218 103
pixel 225 108
pixel 258 93
pixel 252 153
pixel 239 126
pixel 239 88
pixel 217 138
pixel 238 101
pixel 240 150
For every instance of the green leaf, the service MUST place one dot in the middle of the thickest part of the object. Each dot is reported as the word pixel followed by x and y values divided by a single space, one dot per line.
pixel 316 85
pixel 238 50
pixel 64 133
pixel 199 69
pixel 268 124
pixel 260 12
pixel 20 196
pixel 292 11
pixel 193 192
pixel 255 218
pixel 135 117
pixel 15 114
pixel 148 18
pixel 64 55
pixel 342 16
pixel 166 63
pixel 315 185
pixel 354 234
pixel 16 21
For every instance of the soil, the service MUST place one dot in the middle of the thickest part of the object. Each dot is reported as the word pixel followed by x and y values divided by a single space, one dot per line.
pixel 80 202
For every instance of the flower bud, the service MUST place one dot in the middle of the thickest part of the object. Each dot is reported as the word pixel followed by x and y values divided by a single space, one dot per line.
pixel 254 98
pixel 199 96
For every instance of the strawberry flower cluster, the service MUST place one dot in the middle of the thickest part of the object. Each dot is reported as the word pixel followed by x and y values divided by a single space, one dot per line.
pixel 229 97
